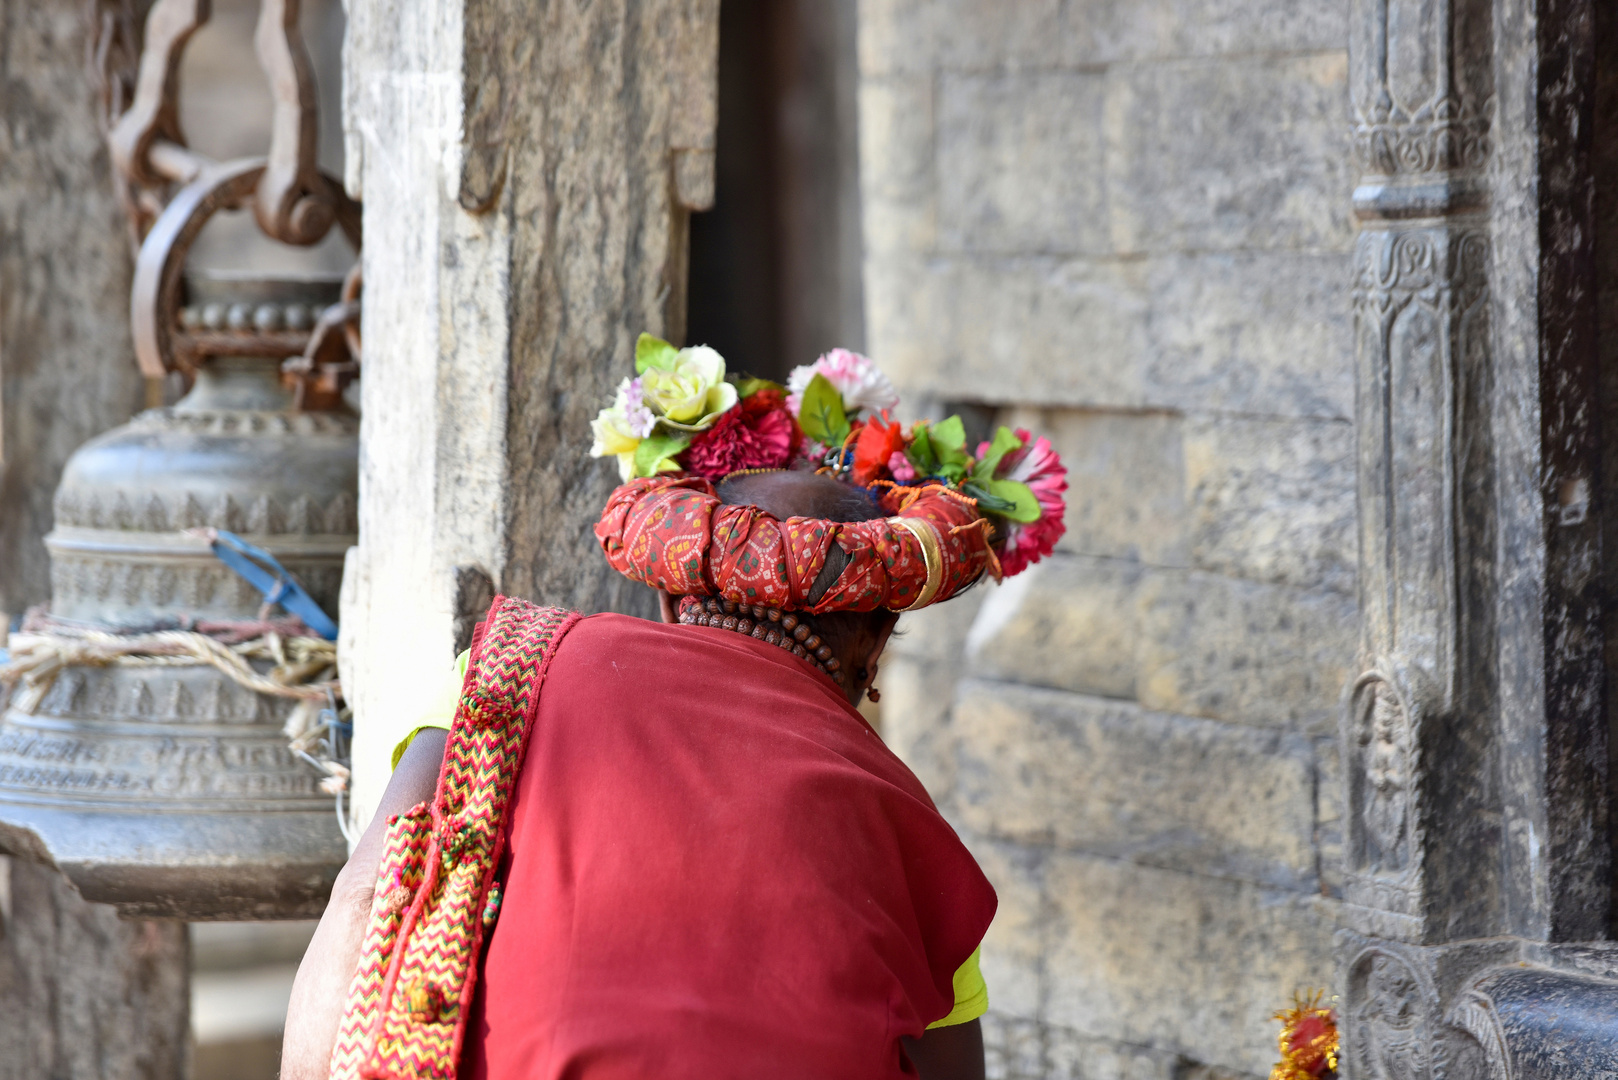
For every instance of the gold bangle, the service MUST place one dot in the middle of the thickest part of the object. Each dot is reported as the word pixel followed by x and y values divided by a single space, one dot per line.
pixel 927 537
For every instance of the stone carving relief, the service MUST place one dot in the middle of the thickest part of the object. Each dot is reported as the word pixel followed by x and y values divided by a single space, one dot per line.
pixel 1386 787
pixel 1525 1021
pixel 1415 112
pixel 1420 302
pixel 1390 1005
pixel 300 516
pixel 1383 771
pixel 1422 100
pixel 204 741
pixel 1480 1043
pixel 200 585
pixel 1443 136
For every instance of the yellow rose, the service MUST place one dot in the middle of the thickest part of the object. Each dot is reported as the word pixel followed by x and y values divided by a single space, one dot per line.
pixel 690 392
pixel 614 436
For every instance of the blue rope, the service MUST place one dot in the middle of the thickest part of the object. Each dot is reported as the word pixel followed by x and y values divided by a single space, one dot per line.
pixel 269 577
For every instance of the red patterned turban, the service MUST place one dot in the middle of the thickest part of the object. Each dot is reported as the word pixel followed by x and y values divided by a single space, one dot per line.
pixel 673 533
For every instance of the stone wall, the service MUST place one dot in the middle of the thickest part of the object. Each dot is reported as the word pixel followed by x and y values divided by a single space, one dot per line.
pixel 1127 223
pixel 84 995
pixel 67 368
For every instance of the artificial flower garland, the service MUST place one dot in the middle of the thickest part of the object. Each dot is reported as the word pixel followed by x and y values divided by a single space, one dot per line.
pixel 683 413
pixel 1309 1041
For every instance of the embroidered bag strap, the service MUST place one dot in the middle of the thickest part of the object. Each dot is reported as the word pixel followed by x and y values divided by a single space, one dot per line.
pixel 435 896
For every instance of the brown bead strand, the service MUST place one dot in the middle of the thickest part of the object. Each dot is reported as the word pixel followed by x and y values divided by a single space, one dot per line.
pixel 772 625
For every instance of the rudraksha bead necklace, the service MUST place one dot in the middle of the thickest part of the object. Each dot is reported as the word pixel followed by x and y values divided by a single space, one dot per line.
pixel 786 629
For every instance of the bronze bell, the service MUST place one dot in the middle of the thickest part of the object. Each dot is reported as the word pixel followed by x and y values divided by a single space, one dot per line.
pixel 172 790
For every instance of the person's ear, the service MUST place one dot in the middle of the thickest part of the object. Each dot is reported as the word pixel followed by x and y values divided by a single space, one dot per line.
pixel 665 604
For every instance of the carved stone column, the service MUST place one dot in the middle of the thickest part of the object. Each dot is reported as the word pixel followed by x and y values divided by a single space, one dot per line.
pixel 1422 101
pixel 528 169
pixel 1475 737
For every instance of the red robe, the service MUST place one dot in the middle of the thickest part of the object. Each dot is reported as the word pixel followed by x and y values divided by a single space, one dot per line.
pixel 715 869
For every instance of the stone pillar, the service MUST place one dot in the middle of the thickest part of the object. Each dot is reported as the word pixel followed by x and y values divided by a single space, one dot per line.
pixel 84 994
pixel 1474 739
pixel 1421 95
pixel 528 169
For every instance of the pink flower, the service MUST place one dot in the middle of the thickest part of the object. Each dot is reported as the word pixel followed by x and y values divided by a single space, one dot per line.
pixel 757 434
pixel 900 467
pixel 1037 465
pixel 632 400
pixel 864 389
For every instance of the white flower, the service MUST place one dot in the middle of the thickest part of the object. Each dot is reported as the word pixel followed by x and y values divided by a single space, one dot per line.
pixel 863 387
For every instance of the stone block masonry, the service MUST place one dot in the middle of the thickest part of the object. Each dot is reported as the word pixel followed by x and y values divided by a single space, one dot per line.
pixel 1125 223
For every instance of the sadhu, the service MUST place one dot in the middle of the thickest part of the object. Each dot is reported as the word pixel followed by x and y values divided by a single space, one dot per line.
pixel 620 848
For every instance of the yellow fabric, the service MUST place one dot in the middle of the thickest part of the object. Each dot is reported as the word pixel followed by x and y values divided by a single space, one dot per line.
pixel 971 993
pixel 440 711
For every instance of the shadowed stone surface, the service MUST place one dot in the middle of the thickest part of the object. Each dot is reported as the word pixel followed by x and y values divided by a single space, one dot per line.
pixel 1272 501
pixel 1046 768
pixel 1192 163
pixel 87 995
pixel 1235 332
pixel 67 367
pixel 968 35
pixel 1254 654
pixel 1001 328
pixel 1166 980
pixel 1266 334
pixel 1013 152
pixel 897 193
pixel 1125 482
pixel 1068 622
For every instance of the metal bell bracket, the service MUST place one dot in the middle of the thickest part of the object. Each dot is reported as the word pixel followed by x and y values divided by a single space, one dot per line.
pixel 269 577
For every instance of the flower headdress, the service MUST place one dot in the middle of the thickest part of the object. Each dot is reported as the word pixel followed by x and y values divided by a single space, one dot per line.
pixel 684 415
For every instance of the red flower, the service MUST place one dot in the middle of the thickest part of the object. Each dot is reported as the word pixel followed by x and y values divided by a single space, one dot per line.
pixel 1036 465
pixel 758 433
pixel 878 441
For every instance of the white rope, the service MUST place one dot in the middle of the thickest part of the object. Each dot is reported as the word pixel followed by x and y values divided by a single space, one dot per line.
pixel 305 669
pixel 37 659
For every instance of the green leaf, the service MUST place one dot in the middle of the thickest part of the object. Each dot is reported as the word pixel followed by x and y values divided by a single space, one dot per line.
pixel 656 447
pixel 1007 498
pixel 920 452
pixel 989 504
pixel 1005 441
pixel 822 417
pixel 748 385
pixel 651 352
pixel 949 442
pixel 949 435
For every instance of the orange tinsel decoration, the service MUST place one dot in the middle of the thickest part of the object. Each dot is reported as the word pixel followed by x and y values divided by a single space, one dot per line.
pixel 1308 1041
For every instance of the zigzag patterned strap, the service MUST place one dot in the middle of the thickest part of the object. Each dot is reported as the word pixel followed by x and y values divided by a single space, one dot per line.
pixel 435 895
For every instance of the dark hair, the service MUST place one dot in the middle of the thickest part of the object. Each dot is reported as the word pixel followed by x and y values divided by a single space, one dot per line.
pixel 806 494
